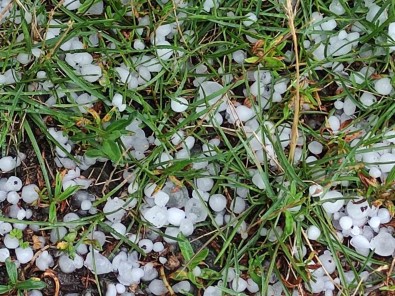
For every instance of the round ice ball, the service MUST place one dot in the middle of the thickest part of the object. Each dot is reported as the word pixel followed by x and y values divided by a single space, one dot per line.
pixel 157 216
pixel 187 227
pixel 4 254
pixel 313 232
pixel 383 86
pixel 357 209
pixel 250 19
pixel 345 222
pixel 30 193
pixel 175 216
pixel 336 205
pixel 10 242
pixel 179 104
pixel 24 255
pixel 66 264
pixel 157 287
pixel 13 184
pixel 315 147
pixel 383 244
pixel 238 205
pixel 239 284
pixel 164 53
pixel 7 163
pixel 217 202
pixel 360 242
pixel 387 162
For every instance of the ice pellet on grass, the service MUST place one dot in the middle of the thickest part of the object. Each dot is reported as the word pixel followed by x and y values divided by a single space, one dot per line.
pixel 196 210
pixel 251 18
pixel 383 86
pixel 7 163
pixel 336 204
pixel 334 123
pixel 383 244
pixel 239 284
pixel 157 216
pixel 44 261
pixel 360 242
pixel 345 222
pixel 367 99
pixel 113 209
pixel 4 254
pixel 187 227
pixel 157 287
pixel 238 205
pixel 387 162
pixel 258 181
pixel 72 4
pixel 97 263
pixel 161 198
pixel 315 147
pixel 217 202
pixel 162 52
pixel 313 232
pixel 175 216
pixel 179 104
pixel 91 73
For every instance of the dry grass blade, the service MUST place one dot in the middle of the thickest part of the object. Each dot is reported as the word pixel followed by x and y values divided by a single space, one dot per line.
pixel 290 11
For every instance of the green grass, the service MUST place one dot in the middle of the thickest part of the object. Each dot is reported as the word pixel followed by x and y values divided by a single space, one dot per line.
pixel 25 117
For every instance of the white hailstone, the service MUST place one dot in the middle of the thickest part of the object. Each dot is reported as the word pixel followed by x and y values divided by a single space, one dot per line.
pixel 360 242
pixel 72 4
pixel 161 198
pixel 86 205
pixel 367 99
pixel 13 198
pixel 313 232
pixel 7 164
pixel 66 264
pixel 37 52
pixel 332 206
pixel 251 18
pixel 336 7
pixel 163 30
pixel 10 242
pixel 383 244
pixel 4 254
pixel 244 113
pixel 44 261
pixel 345 222
pixel 257 180
pixel 182 287
pixel 374 222
pixel 175 216
pixel 157 216
pixel 338 105
pixel 315 147
pixel 120 288
pixel 30 193
pixel 334 123
pixel 387 162
pixel 138 44
pixel 69 218
pixel 171 235
pixel 179 104
pixel 196 210
pixel 157 287
pixel 113 209
pixel 117 101
pixel 164 53
pixel 57 234
pixel 217 202
pixel 118 227
pixel 328 24
pixel 158 247
pixel 24 255
pixel 91 73
pixel 150 272
pixel 383 86
pixel 186 227
pixel 238 205
pixel 376 13
pixel 204 184
pixel 165 158
pixel 97 263
pixel 357 209
pixel 252 287
pixel 149 189
pixel 384 215
pixel 212 291
pixel 239 56
pixel 316 190
pixel 13 184
pixel 239 284
pixel 146 245
pixel 328 263
pixel 111 290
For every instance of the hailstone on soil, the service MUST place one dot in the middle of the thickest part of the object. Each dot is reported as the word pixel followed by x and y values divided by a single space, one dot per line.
pixel 97 263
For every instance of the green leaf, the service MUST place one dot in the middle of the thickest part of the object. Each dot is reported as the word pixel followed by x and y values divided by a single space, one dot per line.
pixel 52 213
pixel 5 289
pixel 272 63
pixel 209 274
pixel 252 60
pixel 67 193
pixel 91 152
pixel 11 271
pixel 85 6
pixel 289 222
pixel 390 177
pixel 31 284
pixel 199 257
pixel 118 125
pixel 185 247
pixel 16 233
pixel 112 150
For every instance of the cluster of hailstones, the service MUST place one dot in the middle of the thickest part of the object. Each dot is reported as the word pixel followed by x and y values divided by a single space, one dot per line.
pixel 179 213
